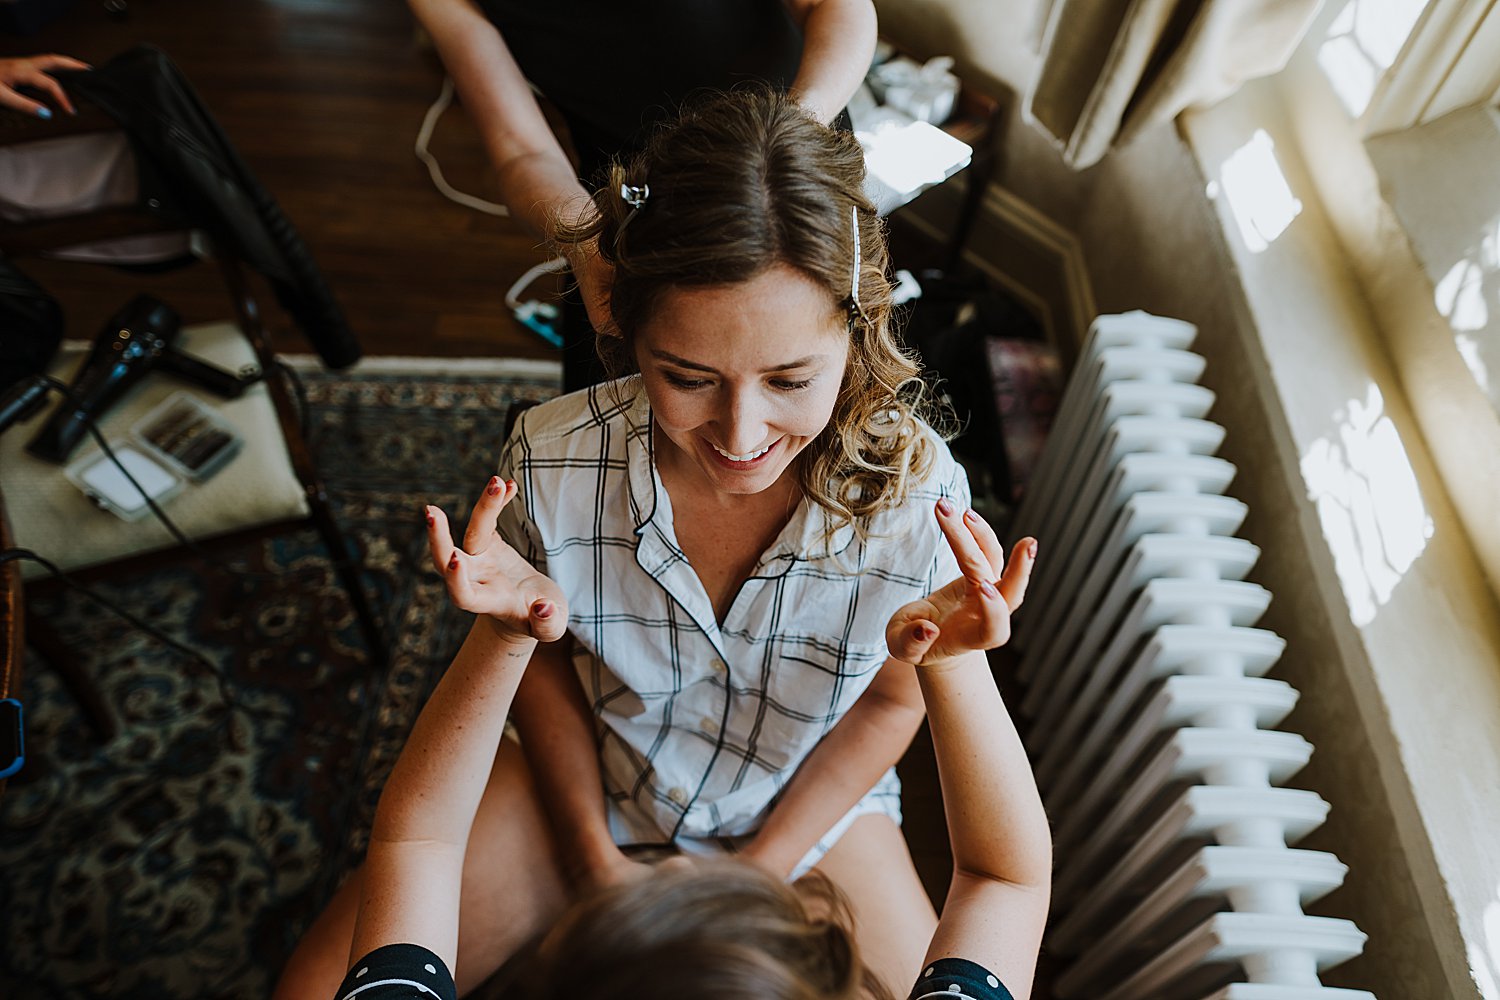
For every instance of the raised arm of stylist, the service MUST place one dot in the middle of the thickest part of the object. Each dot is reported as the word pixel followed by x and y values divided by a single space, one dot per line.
pixel 613 68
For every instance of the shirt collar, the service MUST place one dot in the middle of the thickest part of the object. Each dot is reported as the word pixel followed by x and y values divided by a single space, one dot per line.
pixel 806 537
pixel 640 457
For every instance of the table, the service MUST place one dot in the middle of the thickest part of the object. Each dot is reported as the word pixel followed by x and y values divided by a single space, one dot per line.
pixel 976 121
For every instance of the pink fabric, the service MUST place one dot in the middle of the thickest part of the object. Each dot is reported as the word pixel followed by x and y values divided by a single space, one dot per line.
pixel 1028 384
pixel 72 175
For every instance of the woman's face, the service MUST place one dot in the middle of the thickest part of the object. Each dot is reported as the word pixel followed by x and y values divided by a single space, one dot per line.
pixel 743 377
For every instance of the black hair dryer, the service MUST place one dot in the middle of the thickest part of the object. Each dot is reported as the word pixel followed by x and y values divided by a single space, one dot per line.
pixel 137 340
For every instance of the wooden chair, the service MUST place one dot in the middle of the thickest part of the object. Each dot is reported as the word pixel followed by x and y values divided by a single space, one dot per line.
pixel 12 630
pixel 270 488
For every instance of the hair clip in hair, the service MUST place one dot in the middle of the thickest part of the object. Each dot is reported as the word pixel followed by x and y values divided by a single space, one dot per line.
pixel 854 273
pixel 635 196
pixel 856 311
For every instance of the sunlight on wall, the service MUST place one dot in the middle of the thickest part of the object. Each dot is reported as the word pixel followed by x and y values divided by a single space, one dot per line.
pixel 1368 503
pixel 1483 977
pixel 1464 296
pixel 1460 296
pixel 1485 963
pixel 1362 43
pixel 1257 192
pixel 1472 353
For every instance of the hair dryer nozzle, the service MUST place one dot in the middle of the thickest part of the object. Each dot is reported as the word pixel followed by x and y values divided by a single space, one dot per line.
pixel 130 345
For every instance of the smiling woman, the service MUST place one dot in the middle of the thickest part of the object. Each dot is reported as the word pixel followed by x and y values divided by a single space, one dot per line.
pixel 731 524
pixel 755 245
pixel 738 394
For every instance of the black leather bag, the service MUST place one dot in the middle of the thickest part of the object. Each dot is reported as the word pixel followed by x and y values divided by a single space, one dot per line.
pixel 31 327
pixel 948 327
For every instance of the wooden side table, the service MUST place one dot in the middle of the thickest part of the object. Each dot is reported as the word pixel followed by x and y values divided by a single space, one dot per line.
pixel 976 121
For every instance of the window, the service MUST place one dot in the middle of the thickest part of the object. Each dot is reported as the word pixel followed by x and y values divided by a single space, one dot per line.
pixel 1420 80
pixel 1389 108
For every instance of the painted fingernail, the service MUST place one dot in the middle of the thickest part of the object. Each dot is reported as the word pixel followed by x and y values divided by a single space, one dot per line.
pixel 493 489
pixel 542 610
pixel 453 563
pixel 44 113
pixel 510 484
pixel 924 632
pixel 427 515
pixel 945 507
pixel 971 515
pixel 988 588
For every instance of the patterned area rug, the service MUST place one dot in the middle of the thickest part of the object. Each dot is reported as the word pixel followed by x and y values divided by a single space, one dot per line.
pixel 184 857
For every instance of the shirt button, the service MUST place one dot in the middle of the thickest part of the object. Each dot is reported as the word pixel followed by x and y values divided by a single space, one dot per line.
pixel 708 726
pixel 678 795
pixel 717 665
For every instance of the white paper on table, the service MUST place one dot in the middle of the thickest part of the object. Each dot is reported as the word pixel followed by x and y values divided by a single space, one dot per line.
pixel 903 158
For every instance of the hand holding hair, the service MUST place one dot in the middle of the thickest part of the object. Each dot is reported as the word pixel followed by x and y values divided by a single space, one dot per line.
pixel 488 577
pixel 594 275
pixel 972 612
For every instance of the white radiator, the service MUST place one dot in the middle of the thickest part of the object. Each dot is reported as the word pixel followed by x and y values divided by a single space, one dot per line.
pixel 1149 719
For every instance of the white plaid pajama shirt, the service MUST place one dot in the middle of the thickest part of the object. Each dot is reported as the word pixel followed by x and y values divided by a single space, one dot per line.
pixel 703 724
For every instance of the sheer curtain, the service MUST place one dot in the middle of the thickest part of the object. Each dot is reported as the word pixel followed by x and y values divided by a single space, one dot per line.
pixel 1111 68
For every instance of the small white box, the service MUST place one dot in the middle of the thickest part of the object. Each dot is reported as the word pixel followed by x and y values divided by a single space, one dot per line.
pixel 103 482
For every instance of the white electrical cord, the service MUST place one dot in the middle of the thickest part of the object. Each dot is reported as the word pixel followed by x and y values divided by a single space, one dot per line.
pixel 513 294
pixel 424 135
pixel 538 316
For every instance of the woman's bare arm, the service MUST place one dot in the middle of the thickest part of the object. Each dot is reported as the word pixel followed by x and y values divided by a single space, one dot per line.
pixel 536 178
pixel 537 181
pixel 559 739
pixel 414 870
pixel 1002 847
pixel 838 43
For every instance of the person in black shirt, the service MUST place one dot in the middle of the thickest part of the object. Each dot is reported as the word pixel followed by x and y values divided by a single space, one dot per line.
pixel 615 68
pixel 724 929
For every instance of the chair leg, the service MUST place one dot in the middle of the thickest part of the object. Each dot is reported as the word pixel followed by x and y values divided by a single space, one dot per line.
pixel 303 465
pixel 341 552
pixel 49 645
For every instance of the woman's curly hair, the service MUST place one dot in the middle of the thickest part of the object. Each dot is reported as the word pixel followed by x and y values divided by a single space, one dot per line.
pixel 746 181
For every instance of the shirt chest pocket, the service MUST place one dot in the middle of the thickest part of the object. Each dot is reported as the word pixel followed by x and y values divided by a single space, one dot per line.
pixel 814 680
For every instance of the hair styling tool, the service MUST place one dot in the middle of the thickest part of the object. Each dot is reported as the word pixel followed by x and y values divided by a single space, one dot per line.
pixel 136 341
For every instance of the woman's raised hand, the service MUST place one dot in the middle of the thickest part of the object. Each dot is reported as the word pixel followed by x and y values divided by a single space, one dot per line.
pixel 488 577
pixel 973 611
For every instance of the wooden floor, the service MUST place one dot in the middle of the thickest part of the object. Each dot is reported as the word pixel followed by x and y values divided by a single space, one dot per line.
pixel 323 98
